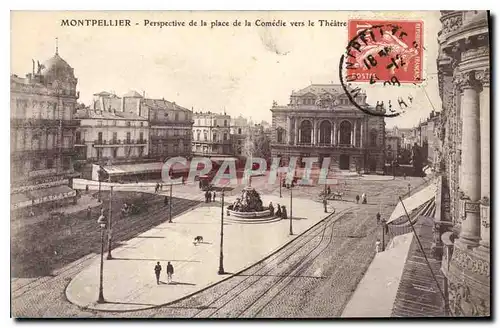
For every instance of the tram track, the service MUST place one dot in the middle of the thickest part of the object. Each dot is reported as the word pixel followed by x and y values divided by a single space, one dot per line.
pixel 256 274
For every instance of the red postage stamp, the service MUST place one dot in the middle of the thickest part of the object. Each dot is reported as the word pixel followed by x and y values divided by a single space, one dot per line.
pixel 381 51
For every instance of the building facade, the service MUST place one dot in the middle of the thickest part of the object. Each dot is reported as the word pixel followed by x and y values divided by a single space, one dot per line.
pixel 42 132
pixel 464 191
pixel 170 129
pixel 211 134
pixel 321 122
pixel 393 145
pixel 113 130
pixel 239 132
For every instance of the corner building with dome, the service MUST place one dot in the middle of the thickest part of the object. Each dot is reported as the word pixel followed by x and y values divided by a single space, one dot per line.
pixel 320 121
pixel 42 108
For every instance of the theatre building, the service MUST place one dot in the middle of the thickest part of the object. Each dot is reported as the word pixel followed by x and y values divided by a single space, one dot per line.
pixel 320 121
pixel 42 133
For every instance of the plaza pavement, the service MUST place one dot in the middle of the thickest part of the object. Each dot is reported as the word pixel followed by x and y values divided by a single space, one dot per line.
pixel 129 279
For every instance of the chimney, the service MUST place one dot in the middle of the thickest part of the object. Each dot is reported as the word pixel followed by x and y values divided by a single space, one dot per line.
pixel 138 106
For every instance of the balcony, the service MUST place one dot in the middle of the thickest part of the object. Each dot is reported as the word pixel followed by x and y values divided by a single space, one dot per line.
pixel 80 143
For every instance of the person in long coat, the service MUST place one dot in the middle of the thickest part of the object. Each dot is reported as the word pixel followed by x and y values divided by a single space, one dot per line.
pixel 278 211
pixel 283 212
pixel 271 209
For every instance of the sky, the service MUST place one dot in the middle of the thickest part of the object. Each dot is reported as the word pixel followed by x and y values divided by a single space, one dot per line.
pixel 241 70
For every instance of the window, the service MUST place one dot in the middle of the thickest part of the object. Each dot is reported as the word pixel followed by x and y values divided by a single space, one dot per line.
pixel 99 123
pixel 128 136
pixel 142 124
pixel 141 136
pixel 128 123
pixel 99 153
pixel 78 137
pixel 239 130
pixel 114 122
pixel 66 163
pixel 115 152
pixel 176 117
pixel 198 135
pixel 205 136
pixel 280 135
pixel 36 164
pixel 225 136
pixel 225 122
pixel 99 138
pixel 115 137
pixel 215 137
pixel 373 138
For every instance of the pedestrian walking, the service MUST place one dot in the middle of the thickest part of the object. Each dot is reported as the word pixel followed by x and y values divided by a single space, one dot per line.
pixel 89 213
pixel 378 218
pixel 165 201
pixel 363 198
pixel 87 189
pixel 377 246
pixel 170 272
pixel 157 272
pixel 325 203
pixel 271 209
pixel 161 186
pixel 213 197
pixel 357 199
pixel 156 188
pixel 328 190
pixel 404 175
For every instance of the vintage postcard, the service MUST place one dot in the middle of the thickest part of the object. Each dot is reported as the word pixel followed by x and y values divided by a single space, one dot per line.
pixel 250 164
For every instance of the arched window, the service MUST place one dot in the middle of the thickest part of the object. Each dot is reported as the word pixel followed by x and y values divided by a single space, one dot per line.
pixel 215 137
pixel 239 130
pixel 345 133
pixel 325 133
pixel 373 138
pixel 305 132
pixel 280 135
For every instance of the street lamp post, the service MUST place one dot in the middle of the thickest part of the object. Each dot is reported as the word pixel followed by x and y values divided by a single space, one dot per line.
pixel 110 223
pixel 280 184
pixel 170 205
pixel 102 223
pixel 383 234
pixel 221 256
pixel 409 188
pixel 291 229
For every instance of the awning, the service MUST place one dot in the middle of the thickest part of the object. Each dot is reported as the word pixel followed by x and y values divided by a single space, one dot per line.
pixel 221 159
pixel 125 169
pixel 19 200
pixel 414 201
pixel 156 167
pixel 376 292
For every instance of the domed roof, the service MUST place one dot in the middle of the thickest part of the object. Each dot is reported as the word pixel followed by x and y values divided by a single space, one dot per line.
pixel 57 67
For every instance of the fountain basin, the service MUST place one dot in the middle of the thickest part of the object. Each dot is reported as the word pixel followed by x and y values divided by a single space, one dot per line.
pixel 249 215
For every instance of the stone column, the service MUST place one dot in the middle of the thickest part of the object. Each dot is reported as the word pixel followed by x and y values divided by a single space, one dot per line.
pixel 470 181
pixel 484 105
pixel 296 132
pixel 332 137
pixel 355 132
pixel 289 130
pixel 352 134
pixel 361 136
pixel 313 133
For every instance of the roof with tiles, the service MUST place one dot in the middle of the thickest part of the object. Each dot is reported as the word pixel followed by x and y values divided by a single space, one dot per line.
pixel 163 104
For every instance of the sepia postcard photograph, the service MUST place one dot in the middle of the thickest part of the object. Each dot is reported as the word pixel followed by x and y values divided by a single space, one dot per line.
pixel 250 164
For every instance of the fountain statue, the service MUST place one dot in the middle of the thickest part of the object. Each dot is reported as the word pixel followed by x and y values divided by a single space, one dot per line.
pixel 248 202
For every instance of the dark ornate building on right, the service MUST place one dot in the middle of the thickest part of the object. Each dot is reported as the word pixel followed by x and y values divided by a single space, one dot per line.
pixel 464 191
